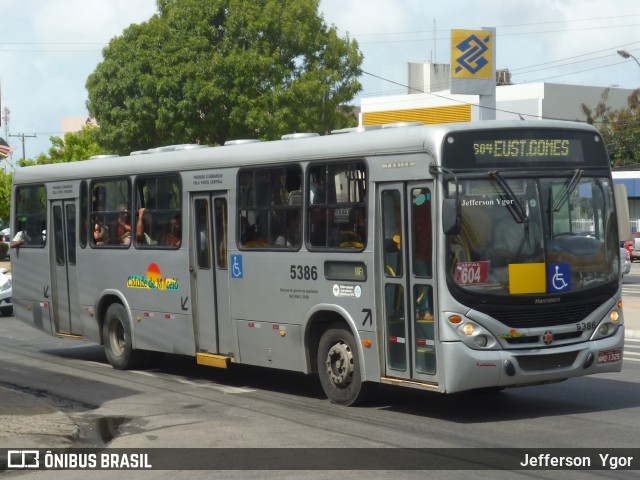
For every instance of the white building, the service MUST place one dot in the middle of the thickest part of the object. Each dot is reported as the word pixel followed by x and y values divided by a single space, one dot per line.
pixel 438 105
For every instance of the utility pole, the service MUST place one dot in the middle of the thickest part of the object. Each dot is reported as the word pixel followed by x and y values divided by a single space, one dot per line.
pixel 23 136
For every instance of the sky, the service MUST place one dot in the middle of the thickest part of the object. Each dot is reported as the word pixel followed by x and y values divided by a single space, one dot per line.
pixel 48 48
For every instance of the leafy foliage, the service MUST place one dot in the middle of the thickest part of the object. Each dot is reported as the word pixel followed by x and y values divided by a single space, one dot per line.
pixel 74 147
pixel 619 128
pixel 211 70
pixel 5 195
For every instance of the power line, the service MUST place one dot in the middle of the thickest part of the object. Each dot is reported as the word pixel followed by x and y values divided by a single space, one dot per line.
pixel 500 35
pixel 509 26
pixel 23 136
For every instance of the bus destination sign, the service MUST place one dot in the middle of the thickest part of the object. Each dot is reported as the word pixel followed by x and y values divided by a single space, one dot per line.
pixel 523 147
pixel 519 148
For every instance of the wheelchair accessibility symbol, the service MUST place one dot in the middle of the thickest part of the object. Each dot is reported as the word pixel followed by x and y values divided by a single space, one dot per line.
pixel 236 266
pixel 559 277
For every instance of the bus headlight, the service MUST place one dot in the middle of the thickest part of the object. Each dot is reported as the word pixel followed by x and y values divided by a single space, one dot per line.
pixel 609 326
pixel 472 334
pixel 468 329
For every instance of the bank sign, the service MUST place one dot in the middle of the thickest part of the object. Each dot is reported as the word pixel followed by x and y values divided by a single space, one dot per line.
pixel 472 54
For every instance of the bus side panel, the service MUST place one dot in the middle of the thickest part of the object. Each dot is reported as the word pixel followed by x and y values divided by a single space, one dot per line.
pixel 270 345
pixel 275 288
pixel 31 285
pixel 90 326
pixel 163 332
pixel 160 311
pixel 35 314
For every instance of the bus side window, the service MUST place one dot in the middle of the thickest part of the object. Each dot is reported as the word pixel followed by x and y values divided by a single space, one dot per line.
pixel 337 206
pixel 202 238
pixel 110 213
pixel 30 215
pixel 391 230
pixel 421 231
pixel 270 201
pixel 158 217
pixel 220 213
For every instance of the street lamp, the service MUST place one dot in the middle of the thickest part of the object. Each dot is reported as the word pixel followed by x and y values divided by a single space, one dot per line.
pixel 625 54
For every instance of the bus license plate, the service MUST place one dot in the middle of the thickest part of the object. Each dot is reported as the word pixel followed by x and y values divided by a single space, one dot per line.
pixel 610 356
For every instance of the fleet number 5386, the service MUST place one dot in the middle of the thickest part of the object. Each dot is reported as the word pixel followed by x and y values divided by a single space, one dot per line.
pixel 303 272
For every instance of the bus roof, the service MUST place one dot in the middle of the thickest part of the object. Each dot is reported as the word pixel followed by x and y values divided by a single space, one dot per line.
pixel 358 142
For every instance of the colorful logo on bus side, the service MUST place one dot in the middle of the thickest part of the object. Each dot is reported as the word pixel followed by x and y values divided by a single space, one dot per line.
pixel 153 280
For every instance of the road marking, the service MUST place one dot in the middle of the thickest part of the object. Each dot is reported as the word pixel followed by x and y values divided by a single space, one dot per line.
pixel 198 384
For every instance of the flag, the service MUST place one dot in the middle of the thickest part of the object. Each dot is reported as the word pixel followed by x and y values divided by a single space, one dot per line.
pixel 5 149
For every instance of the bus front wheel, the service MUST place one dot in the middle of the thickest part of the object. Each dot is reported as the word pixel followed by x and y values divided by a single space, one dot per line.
pixel 339 367
pixel 117 339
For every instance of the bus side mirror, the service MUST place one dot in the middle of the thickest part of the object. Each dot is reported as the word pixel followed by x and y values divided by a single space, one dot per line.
pixel 622 211
pixel 451 216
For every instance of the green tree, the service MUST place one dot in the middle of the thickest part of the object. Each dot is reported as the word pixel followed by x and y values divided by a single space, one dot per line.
pixel 621 132
pixel 5 195
pixel 212 70
pixel 620 129
pixel 73 147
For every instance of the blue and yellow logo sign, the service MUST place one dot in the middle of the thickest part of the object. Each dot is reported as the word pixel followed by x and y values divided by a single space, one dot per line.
pixel 472 54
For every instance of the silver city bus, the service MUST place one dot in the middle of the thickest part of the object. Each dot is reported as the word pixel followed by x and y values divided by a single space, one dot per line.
pixel 447 258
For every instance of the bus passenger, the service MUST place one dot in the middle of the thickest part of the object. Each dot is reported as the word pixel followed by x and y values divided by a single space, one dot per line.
pixel 141 236
pixel 173 237
pixel 21 238
pixel 124 225
pixel 100 236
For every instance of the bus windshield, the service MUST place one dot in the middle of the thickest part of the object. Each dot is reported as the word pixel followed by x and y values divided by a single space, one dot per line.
pixel 534 235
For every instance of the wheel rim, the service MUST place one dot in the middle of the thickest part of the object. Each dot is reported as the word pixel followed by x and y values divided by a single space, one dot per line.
pixel 340 364
pixel 116 337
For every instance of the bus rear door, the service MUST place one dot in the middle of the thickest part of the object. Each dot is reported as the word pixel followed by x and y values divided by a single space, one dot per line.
pixel 210 273
pixel 405 212
pixel 63 266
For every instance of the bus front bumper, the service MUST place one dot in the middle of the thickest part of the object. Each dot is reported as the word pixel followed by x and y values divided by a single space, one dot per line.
pixel 473 369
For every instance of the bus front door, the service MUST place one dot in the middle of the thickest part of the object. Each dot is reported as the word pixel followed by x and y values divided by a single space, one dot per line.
pixel 406 214
pixel 210 273
pixel 63 261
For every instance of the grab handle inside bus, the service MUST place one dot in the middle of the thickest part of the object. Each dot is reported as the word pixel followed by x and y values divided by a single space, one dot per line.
pixel 450 205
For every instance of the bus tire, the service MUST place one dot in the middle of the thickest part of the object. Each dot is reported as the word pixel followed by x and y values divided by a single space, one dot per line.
pixel 339 367
pixel 118 344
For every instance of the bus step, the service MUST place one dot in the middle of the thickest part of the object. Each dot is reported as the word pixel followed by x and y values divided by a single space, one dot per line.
pixel 216 361
pixel 409 383
pixel 69 335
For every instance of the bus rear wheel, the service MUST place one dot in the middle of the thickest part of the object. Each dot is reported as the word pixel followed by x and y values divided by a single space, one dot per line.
pixel 118 343
pixel 339 367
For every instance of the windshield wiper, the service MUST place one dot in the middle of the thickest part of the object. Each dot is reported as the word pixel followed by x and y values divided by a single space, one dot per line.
pixel 513 205
pixel 568 189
